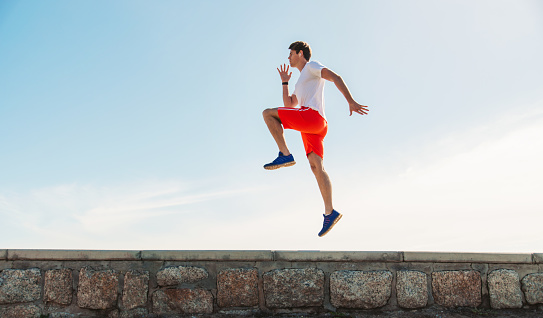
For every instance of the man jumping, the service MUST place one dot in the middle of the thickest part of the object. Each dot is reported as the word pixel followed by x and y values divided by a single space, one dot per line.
pixel 309 119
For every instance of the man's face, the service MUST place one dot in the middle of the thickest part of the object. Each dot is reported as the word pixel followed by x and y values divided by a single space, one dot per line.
pixel 294 58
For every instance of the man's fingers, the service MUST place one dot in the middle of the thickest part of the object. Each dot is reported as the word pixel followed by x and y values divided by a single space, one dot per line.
pixel 359 109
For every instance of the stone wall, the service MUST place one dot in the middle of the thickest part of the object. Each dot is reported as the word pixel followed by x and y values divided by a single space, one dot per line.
pixel 55 283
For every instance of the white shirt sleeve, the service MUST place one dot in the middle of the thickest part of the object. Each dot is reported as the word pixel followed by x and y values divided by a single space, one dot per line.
pixel 315 68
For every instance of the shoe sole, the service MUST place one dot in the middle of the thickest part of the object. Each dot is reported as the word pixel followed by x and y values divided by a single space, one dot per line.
pixel 331 226
pixel 287 164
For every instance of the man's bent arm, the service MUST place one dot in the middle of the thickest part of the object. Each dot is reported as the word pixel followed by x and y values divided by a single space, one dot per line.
pixel 289 101
pixel 342 87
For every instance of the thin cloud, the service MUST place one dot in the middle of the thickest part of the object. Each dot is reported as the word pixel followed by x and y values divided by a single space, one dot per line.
pixel 140 206
pixel 100 213
pixel 483 197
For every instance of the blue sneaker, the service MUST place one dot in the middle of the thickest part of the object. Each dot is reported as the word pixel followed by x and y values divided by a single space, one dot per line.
pixel 281 161
pixel 329 221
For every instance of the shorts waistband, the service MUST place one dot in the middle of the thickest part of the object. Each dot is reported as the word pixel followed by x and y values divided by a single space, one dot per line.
pixel 304 108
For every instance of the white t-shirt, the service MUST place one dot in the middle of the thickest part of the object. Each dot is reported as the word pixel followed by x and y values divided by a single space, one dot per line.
pixel 309 89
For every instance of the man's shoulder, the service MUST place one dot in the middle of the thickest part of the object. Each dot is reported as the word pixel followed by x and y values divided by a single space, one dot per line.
pixel 315 68
pixel 315 64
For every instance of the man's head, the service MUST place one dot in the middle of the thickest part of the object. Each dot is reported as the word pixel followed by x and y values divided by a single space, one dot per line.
pixel 302 47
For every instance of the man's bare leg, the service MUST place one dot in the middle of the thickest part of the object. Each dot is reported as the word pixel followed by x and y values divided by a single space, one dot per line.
pixel 271 117
pixel 323 180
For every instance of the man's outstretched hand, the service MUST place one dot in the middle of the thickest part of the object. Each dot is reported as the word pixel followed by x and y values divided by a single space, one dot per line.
pixel 283 72
pixel 357 108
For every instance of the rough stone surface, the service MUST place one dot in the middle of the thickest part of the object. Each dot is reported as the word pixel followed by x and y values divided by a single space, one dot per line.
pixel 504 289
pixel 237 287
pixel 532 285
pixel 360 289
pixel 176 275
pixel 135 313
pixel 411 289
pixel 241 312
pixel 62 315
pixel 113 314
pixel 182 301
pixel 20 311
pixel 457 288
pixel 20 285
pixel 136 287
pixel 97 289
pixel 58 286
pixel 286 288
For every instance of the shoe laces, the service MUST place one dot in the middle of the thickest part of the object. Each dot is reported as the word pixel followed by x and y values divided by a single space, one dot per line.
pixel 280 159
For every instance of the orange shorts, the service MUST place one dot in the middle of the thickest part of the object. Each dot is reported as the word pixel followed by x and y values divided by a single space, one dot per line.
pixel 310 123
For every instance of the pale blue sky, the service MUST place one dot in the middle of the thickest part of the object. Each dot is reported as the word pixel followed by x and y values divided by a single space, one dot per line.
pixel 137 125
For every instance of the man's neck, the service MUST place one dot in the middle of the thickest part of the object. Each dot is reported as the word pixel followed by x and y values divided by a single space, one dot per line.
pixel 301 66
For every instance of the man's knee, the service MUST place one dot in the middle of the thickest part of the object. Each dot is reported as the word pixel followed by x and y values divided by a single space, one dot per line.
pixel 315 162
pixel 269 112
